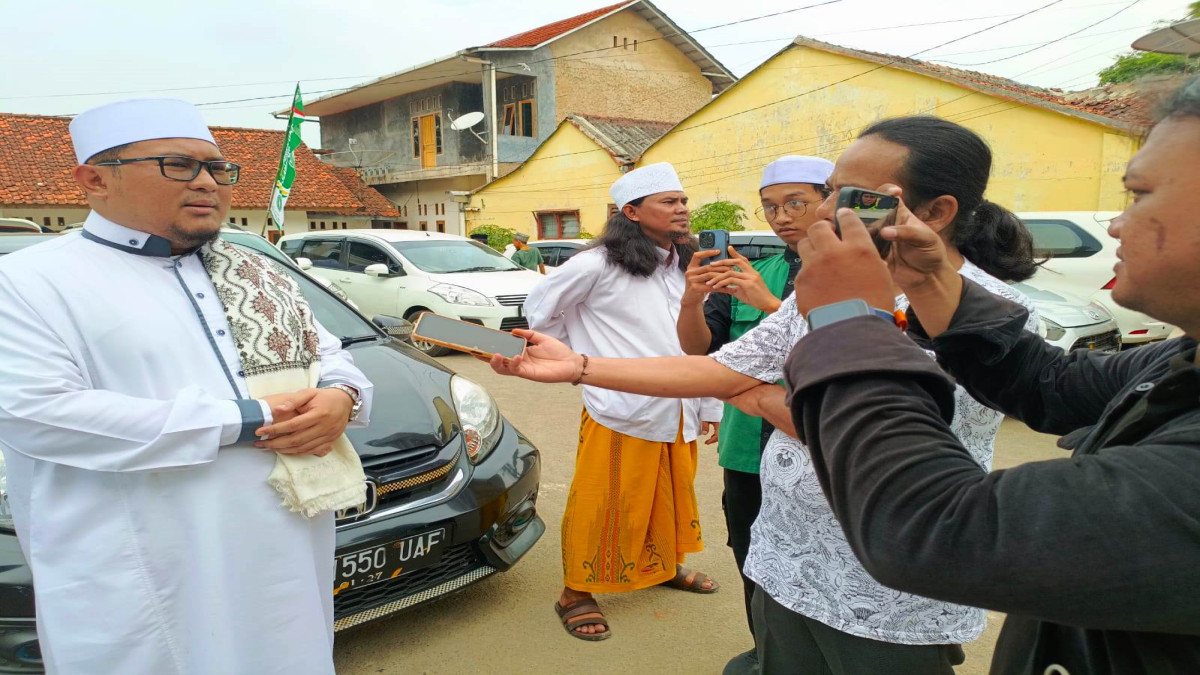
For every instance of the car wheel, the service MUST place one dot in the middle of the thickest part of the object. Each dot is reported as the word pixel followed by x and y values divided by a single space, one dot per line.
pixel 426 348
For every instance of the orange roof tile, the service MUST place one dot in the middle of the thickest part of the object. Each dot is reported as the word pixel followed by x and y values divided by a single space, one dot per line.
pixel 372 201
pixel 36 161
pixel 537 36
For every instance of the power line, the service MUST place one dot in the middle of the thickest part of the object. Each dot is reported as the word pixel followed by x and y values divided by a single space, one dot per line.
pixel 1047 44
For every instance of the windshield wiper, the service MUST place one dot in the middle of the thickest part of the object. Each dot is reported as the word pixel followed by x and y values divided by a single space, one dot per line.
pixel 477 269
pixel 347 341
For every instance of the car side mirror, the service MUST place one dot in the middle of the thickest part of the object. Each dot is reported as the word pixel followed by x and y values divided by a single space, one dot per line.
pixel 304 263
pixel 396 327
pixel 377 270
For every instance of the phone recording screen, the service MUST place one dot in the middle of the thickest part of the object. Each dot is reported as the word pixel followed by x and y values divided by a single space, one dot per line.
pixel 468 337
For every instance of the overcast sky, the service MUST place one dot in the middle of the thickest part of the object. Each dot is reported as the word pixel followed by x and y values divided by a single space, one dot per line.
pixel 62 57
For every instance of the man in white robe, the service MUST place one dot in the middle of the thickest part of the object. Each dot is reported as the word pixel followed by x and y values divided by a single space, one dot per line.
pixel 139 497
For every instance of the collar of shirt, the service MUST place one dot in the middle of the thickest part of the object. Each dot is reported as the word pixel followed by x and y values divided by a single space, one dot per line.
pixel 103 231
pixel 667 256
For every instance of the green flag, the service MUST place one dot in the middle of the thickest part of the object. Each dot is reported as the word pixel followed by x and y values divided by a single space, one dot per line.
pixel 287 163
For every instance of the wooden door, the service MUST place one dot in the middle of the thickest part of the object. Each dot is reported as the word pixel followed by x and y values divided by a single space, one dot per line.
pixel 428 142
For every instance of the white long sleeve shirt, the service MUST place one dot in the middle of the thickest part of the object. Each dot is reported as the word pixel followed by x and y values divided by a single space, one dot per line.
pixel 601 310
pixel 155 543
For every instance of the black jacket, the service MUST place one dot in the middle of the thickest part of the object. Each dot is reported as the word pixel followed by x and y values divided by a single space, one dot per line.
pixel 1095 558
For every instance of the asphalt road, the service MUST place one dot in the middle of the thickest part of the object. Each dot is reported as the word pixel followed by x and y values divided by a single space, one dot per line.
pixel 506 623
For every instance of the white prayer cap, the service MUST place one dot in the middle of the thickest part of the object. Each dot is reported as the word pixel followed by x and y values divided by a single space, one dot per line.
pixel 797 169
pixel 648 180
pixel 145 119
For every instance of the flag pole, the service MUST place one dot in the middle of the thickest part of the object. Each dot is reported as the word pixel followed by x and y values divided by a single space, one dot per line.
pixel 285 177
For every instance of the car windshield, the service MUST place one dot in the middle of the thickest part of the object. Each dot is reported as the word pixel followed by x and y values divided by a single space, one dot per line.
pixel 444 256
pixel 335 316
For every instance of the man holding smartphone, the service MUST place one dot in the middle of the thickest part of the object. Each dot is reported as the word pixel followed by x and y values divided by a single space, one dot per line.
pixel 724 300
pixel 631 513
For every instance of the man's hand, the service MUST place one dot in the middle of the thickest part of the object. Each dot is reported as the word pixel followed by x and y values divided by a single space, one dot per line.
pixel 544 360
pixel 697 277
pixel 739 278
pixel 842 269
pixel 918 253
pixel 715 428
pixel 319 422
pixel 286 406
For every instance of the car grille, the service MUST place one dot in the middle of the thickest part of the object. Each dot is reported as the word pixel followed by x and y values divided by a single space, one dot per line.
pixel 511 300
pixel 459 566
pixel 1104 342
pixel 390 490
pixel 514 322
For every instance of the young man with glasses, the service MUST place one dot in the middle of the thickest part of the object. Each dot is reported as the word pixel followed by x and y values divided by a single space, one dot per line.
pixel 739 295
pixel 157 381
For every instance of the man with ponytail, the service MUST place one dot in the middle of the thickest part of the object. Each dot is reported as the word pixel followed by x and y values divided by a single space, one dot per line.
pixel 816 609
pixel 1095 557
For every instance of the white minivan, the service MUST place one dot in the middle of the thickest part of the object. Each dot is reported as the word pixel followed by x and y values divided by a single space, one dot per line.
pixel 404 273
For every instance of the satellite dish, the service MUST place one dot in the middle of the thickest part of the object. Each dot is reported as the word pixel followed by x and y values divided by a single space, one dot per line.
pixel 466 121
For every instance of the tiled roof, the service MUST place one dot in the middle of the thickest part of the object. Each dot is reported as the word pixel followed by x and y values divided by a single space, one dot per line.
pixel 537 36
pixel 625 139
pixel 36 161
pixel 1129 110
pixel 372 201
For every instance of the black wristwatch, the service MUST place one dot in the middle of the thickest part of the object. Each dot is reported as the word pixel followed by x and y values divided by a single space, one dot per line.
pixel 824 315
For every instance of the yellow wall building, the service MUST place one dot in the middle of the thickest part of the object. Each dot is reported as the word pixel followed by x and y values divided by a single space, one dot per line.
pixel 814 98
pixel 563 188
pixel 1051 151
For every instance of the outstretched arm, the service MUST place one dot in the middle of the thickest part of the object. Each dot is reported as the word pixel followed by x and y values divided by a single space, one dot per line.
pixel 548 360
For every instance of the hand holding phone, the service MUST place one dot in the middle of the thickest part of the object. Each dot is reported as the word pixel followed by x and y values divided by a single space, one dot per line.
pixel 873 208
pixel 467 337
pixel 714 240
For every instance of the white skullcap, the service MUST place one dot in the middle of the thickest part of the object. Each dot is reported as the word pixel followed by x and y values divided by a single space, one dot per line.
pixel 648 180
pixel 135 120
pixel 797 169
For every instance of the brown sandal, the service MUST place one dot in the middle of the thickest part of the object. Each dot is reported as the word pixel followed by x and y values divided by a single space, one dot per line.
pixel 680 582
pixel 570 621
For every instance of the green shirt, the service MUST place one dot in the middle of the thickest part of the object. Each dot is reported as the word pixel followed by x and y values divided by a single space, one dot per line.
pixel 529 258
pixel 739 443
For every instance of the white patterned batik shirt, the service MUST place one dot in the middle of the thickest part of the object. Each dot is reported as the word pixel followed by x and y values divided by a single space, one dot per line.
pixel 798 552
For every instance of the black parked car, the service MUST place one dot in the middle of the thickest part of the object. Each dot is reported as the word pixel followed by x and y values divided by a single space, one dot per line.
pixel 451 485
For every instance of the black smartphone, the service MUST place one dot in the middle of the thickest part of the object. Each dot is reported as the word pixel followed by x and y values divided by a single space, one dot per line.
pixel 466 337
pixel 714 240
pixel 872 208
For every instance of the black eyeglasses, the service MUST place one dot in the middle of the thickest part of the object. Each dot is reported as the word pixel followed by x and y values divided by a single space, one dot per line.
pixel 186 169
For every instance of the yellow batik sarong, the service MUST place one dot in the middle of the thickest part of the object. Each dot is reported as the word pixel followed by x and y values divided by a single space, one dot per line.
pixel 631 514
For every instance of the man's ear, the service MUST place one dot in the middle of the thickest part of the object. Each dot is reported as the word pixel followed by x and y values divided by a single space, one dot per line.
pixel 630 212
pixel 939 213
pixel 92 181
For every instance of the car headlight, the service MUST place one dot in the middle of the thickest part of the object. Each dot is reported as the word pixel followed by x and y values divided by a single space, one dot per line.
pixel 457 295
pixel 6 519
pixel 1052 331
pixel 479 416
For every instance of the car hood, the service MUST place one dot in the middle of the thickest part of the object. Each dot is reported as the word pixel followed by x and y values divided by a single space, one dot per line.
pixel 1064 309
pixel 491 284
pixel 412 406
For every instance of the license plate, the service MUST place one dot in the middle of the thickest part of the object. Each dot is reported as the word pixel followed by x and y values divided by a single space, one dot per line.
pixel 382 562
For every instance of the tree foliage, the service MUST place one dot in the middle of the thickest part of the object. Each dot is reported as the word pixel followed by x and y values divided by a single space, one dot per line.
pixel 719 215
pixel 1134 66
pixel 498 237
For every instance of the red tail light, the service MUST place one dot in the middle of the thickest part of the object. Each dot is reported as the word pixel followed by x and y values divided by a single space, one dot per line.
pixel 1109 285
